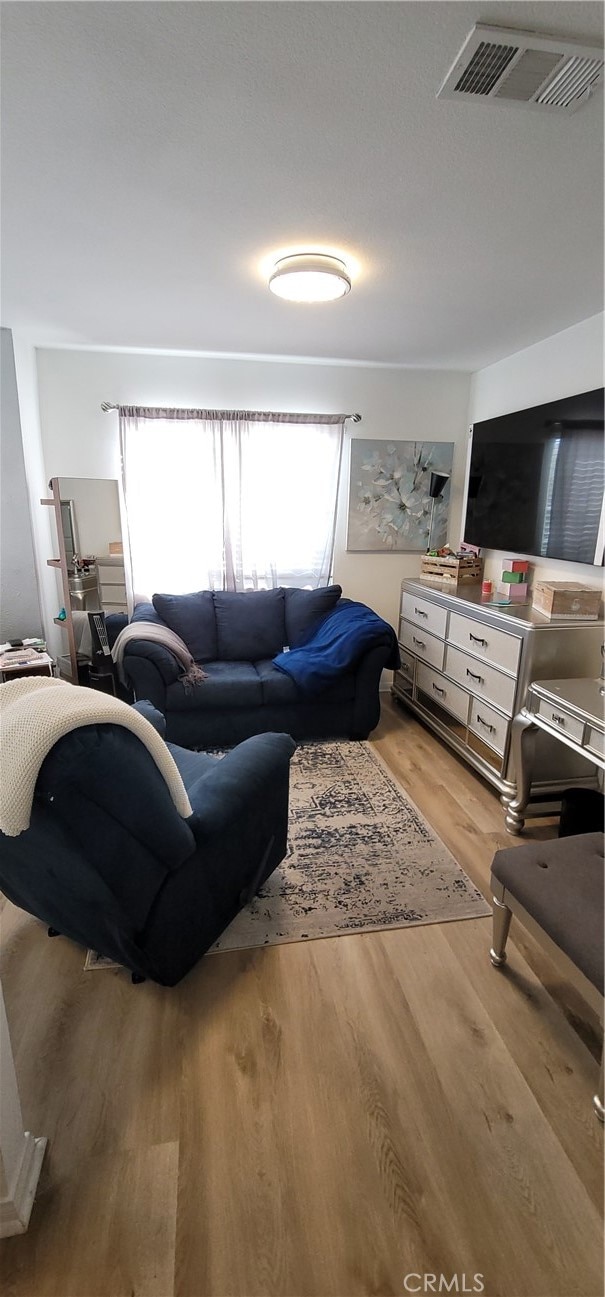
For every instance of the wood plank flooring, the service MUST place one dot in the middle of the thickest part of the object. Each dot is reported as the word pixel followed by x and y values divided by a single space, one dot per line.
pixel 319 1119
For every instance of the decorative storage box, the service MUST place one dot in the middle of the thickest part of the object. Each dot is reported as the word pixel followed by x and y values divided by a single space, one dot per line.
pixel 567 599
pixel 451 571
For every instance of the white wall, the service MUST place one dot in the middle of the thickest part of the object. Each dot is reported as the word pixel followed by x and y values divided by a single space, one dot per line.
pixel 20 613
pixel 562 365
pixel 42 518
pixel 78 440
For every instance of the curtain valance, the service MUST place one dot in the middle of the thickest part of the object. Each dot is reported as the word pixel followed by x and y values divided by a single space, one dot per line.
pixel 228 416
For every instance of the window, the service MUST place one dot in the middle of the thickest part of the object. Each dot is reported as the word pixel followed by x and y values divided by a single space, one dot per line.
pixel 229 499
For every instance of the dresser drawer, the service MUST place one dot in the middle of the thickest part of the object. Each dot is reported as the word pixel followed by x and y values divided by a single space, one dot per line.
pixel 422 613
pixel 484 681
pixel 595 741
pixel 111 573
pixel 556 716
pixel 403 678
pixel 494 646
pixel 489 725
pixel 442 691
pixel 114 593
pixel 422 645
pixel 407 664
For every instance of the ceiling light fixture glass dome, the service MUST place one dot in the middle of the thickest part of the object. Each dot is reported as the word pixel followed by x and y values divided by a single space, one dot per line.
pixel 310 277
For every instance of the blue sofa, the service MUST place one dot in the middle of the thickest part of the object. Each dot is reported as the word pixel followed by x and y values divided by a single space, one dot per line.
pixel 235 637
pixel 108 861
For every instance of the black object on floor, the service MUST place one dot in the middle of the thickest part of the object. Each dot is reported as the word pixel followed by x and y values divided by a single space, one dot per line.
pixel 582 811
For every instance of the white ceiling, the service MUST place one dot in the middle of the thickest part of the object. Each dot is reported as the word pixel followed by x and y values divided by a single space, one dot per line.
pixel 154 154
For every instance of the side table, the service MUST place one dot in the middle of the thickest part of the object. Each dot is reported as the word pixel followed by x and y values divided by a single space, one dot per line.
pixel 25 662
pixel 571 711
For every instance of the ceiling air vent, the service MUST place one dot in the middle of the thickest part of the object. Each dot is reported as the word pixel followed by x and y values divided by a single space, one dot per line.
pixel 498 63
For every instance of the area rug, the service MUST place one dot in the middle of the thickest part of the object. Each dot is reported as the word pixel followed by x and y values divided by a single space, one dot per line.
pixel 360 858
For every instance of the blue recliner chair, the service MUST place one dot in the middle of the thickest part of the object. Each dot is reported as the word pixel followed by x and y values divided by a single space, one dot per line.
pixel 108 861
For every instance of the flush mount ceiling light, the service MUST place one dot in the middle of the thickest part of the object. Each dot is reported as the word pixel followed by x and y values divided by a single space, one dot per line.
pixel 310 277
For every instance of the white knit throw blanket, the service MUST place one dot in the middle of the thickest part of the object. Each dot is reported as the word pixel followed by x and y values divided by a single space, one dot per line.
pixel 35 713
pixel 151 630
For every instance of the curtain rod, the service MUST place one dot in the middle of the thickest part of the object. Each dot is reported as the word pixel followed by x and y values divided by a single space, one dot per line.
pixel 109 405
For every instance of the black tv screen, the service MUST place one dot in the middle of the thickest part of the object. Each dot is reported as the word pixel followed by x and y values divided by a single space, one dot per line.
pixel 536 481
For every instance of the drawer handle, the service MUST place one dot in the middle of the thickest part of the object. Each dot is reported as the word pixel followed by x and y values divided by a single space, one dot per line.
pixel 420 642
pixel 559 720
pixel 419 612
pixel 405 666
pixel 480 680
pixel 438 690
pixel 491 728
pixel 475 639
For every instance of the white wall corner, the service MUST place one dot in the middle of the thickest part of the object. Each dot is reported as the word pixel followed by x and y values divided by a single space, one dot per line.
pixel 45 542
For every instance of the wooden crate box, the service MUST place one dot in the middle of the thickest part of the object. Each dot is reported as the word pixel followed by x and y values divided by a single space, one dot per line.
pixel 567 599
pixel 451 571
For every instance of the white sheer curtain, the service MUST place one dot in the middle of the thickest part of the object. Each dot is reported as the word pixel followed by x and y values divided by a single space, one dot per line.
pixel 229 499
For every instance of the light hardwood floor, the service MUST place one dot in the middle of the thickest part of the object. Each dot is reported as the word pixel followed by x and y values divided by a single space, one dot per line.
pixel 314 1120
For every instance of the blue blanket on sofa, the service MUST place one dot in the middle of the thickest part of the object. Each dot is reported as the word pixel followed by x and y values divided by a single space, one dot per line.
pixel 336 645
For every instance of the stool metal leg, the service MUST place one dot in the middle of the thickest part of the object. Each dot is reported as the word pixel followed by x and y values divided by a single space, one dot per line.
pixel 598 1102
pixel 501 925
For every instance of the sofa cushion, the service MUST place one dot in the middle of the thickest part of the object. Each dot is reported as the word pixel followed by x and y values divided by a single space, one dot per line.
pixel 192 617
pixel 227 685
pixel 249 624
pixel 279 688
pixel 146 612
pixel 191 765
pixel 305 608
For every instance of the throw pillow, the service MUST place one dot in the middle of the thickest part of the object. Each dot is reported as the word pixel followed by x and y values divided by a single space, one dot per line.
pixel 250 624
pixel 306 608
pixel 192 617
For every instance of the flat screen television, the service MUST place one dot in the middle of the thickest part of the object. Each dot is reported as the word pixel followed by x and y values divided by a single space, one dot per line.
pixel 537 479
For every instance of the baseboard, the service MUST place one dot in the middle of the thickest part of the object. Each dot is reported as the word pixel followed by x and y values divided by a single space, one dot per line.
pixel 16 1210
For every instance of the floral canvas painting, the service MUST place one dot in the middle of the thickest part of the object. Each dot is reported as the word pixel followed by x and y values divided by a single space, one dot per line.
pixel 389 501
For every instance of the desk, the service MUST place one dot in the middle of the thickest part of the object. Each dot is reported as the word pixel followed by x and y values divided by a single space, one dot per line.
pixel 25 662
pixel 572 711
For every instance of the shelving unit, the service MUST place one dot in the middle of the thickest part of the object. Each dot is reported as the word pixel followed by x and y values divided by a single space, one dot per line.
pixel 61 564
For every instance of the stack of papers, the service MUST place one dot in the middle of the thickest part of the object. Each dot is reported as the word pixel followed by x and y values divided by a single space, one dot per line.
pixel 23 657
pixel 32 642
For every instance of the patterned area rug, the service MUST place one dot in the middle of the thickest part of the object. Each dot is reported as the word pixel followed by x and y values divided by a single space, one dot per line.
pixel 360 857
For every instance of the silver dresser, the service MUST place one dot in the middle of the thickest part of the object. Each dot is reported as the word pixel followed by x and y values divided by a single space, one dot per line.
pixel 465 669
pixel 112 583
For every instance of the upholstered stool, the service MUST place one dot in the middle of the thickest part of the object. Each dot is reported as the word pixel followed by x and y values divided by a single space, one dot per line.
pixel 556 891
